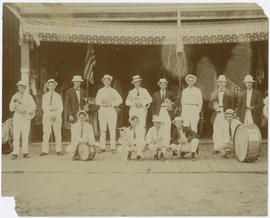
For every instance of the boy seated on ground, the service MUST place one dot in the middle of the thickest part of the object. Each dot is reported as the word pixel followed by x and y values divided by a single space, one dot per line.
pixel 184 139
pixel 81 131
pixel 157 138
pixel 228 127
pixel 133 138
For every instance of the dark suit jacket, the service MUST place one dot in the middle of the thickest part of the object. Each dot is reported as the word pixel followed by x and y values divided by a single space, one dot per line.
pixel 256 102
pixel 189 133
pixel 72 104
pixel 157 101
pixel 228 102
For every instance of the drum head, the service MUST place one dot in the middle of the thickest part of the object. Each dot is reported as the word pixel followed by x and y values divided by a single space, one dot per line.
pixel 241 142
pixel 83 151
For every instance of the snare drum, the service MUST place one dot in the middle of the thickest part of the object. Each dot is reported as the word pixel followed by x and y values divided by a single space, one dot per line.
pixel 86 151
pixel 247 140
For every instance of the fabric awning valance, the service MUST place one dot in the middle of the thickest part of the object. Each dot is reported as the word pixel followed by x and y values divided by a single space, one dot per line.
pixel 81 30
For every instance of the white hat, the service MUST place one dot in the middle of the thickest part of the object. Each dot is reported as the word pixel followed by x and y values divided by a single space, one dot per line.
pixel 22 83
pixel 157 119
pixel 132 117
pixel 77 79
pixel 248 78
pixel 136 78
pixel 51 81
pixel 221 78
pixel 191 76
pixel 229 111
pixel 82 112
pixel 162 80
pixel 106 76
pixel 178 118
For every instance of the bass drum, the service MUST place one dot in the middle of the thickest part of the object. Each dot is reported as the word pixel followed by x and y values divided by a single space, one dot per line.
pixel 247 141
pixel 85 151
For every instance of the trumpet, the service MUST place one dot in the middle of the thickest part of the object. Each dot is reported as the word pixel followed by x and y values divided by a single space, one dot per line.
pixel 168 104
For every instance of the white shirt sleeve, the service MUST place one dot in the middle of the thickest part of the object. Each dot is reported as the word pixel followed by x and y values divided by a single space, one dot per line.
pixel 11 104
pixel 148 98
pixel 98 97
pixel 31 103
pixel 200 100
pixel 118 99
pixel 129 101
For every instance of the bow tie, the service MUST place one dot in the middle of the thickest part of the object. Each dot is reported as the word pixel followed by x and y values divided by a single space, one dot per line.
pixel 77 89
pixel 221 90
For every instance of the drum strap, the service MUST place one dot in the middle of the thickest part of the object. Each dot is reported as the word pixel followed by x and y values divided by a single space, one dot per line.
pixel 230 129
pixel 81 131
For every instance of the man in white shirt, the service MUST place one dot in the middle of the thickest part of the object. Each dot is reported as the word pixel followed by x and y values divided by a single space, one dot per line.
pixel 24 108
pixel 157 138
pixel 81 131
pixel 52 106
pixel 133 138
pixel 191 103
pixel 138 100
pixel 107 98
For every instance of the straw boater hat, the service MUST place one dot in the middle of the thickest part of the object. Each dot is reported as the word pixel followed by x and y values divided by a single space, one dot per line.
pixel 191 76
pixel 157 119
pixel 132 118
pixel 22 83
pixel 221 78
pixel 162 80
pixel 77 79
pixel 248 79
pixel 136 78
pixel 106 76
pixel 229 111
pixel 178 118
pixel 51 81
pixel 82 112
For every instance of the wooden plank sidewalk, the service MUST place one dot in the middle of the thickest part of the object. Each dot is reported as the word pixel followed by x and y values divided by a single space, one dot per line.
pixel 116 163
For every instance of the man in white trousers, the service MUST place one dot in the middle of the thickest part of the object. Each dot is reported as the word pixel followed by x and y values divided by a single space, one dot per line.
pixel 107 98
pixel 191 103
pixel 24 108
pixel 52 107
pixel 138 100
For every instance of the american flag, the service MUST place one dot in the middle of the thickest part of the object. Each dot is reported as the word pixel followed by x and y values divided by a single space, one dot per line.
pixel 259 70
pixel 90 62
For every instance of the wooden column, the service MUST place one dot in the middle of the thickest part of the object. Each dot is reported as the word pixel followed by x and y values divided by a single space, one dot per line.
pixel 25 62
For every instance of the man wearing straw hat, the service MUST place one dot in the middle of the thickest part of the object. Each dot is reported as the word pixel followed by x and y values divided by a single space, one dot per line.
pixel 21 102
pixel 250 103
pixel 163 103
pixel 107 98
pixel 191 103
pixel 157 138
pixel 220 100
pixel 74 99
pixel 138 100
pixel 52 107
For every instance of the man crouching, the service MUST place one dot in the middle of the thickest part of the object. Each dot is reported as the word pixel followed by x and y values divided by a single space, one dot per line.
pixel 184 139
pixel 157 138
pixel 132 138
pixel 81 131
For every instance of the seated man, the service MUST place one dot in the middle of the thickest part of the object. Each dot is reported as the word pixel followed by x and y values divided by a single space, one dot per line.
pixel 184 139
pixel 81 131
pixel 132 138
pixel 228 127
pixel 157 138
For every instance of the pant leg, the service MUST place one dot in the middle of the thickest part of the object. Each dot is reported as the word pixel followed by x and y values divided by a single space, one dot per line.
pixel 17 128
pixel 103 126
pixel 194 122
pixel 25 136
pixel 47 128
pixel 112 120
pixel 140 147
pixel 57 133
pixel 194 145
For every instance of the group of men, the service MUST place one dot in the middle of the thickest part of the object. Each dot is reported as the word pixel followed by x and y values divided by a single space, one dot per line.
pixel 183 139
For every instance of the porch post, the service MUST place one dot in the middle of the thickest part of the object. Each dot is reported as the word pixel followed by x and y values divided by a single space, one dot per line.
pixel 25 62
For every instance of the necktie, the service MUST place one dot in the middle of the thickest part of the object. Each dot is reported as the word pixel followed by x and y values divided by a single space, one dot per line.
pixel 163 95
pixel 82 131
pixel 51 99
pixel 138 92
pixel 230 130
pixel 134 134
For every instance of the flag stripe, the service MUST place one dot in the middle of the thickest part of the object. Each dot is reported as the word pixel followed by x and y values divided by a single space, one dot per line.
pixel 90 61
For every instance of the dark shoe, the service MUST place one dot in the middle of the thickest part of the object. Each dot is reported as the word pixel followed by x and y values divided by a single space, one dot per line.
pixel 14 156
pixel 26 155
pixel 162 156
pixel 75 158
pixel 129 156
pixel 101 150
pixel 174 153
pixel 156 157
pixel 139 157
pixel 114 151
pixel 59 153
pixel 43 154
pixel 193 156
pixel 224 155
pixel 215 152
pixel 182 154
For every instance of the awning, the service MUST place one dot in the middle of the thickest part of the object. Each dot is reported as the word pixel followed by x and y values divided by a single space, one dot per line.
pixel 81 30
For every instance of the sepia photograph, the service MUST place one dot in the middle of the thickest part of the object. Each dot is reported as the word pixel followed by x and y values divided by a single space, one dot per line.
pixel 135 109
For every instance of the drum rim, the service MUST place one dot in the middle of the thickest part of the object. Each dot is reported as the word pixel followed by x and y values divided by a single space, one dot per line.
pixel 236 150
pixel 80 145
